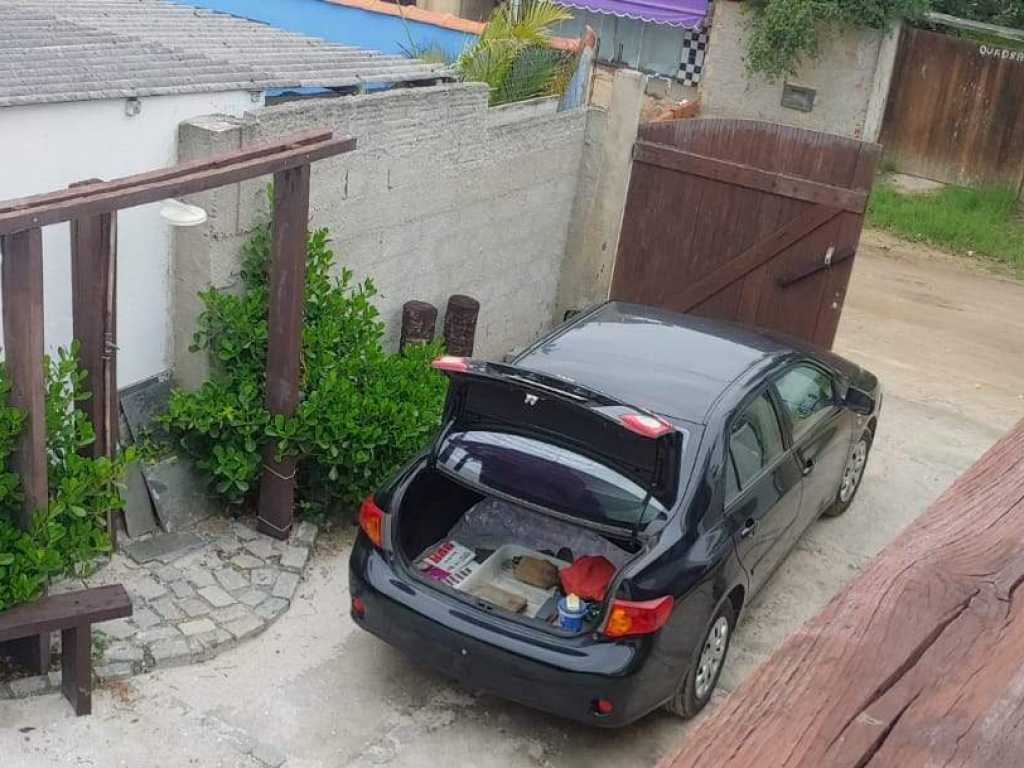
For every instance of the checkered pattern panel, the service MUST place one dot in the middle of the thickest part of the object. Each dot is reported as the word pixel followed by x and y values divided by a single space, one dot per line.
pixel 695 44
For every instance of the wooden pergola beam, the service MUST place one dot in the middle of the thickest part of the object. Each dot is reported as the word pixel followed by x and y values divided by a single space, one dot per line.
pixel 188 178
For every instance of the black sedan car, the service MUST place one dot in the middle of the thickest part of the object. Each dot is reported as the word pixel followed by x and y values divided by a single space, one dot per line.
pixel 590 521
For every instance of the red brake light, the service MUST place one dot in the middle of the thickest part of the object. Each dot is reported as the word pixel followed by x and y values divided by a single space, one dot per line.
pixel 450 363
pixel 370 520
pixel 642 424
pixel 628 617
pixel 603 706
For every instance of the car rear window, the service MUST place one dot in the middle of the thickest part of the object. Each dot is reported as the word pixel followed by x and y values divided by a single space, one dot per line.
pixel 548 476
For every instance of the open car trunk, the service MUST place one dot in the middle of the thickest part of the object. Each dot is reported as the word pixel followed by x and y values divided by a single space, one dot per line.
pixel 499 555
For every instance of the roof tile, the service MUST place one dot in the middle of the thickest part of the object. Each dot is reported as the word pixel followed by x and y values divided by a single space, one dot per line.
pixel 76 50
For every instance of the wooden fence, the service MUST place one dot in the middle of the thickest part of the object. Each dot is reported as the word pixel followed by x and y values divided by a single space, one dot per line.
pixel 956 110
pixel 918 662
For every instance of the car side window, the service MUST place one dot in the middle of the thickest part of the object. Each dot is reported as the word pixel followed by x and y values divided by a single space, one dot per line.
pixel 807 394
pixel 755 441
pixel 732 485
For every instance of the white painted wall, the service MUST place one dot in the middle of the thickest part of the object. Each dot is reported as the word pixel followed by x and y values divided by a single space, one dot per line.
pixel 48 146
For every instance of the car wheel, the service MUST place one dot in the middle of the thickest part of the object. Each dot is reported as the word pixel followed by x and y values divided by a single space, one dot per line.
pixel 853 473
pixel 702 677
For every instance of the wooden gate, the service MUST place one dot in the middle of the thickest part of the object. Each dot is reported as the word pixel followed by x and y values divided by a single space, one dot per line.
pixel 956 110
pixel 747 221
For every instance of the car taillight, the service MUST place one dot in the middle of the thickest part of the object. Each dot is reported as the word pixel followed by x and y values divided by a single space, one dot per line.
pixel 371 518
pixel 628 617
pixel 450 363
pixel 642 424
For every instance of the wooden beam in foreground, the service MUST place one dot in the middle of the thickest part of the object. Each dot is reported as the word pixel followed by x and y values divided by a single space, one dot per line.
pixel 917 662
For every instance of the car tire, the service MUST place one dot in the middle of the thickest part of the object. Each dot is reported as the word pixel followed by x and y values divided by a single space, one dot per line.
pixel 706 667
pixel 853 475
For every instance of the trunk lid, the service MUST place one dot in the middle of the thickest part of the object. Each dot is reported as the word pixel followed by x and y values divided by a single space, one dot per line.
pixel 504 419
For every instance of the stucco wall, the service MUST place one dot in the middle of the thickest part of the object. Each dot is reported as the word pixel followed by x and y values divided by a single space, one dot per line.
pixel 443 196
pixel 601 195
pixel 850 75
pixel 48 146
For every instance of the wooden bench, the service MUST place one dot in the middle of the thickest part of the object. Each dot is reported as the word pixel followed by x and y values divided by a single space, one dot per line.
pixel 73 614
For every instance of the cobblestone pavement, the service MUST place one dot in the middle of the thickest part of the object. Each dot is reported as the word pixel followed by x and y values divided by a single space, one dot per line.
pixel 230 584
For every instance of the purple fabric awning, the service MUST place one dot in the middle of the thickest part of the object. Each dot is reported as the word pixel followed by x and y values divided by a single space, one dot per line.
pixel 676 13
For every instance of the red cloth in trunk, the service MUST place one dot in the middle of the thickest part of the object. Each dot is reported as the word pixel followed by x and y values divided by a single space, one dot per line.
pixel 587 577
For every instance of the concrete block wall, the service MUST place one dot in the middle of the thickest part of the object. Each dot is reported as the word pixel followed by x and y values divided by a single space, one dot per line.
pixel 850 76
pixel 443 195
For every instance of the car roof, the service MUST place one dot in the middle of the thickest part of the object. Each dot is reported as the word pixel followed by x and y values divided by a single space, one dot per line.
pixel 673 364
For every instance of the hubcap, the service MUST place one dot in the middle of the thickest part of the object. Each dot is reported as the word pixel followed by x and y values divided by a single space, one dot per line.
pixel 853 471
pixel 711 657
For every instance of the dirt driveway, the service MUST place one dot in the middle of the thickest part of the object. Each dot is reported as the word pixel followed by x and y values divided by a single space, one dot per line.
pixel 949 346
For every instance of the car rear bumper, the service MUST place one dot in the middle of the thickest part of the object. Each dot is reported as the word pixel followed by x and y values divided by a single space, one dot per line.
pixel 563 676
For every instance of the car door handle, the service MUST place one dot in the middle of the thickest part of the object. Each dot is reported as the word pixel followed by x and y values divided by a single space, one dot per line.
pixel 808 466
pixel 748 529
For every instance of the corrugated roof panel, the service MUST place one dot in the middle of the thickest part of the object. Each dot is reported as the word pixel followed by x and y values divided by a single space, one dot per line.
pixel 76 50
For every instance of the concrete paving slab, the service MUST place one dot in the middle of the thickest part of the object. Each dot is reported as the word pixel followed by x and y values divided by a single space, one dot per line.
pixel 179 494
pixel 161 546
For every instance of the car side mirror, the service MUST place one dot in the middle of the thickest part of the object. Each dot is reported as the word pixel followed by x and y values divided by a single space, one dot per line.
pixel 859 402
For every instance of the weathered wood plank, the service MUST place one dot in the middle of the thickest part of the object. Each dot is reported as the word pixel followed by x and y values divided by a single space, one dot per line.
pixel 128 195
pixel 60 612
pixel 287 285
pixel 21 285
pixel 917 662
pixel 689 296
pixel 741 175
pixel 220 160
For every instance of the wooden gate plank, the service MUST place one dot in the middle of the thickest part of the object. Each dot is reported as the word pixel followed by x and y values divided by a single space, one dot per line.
pixel 848 239
pixel 917 662
pixel 716 209
pixel 738 174
pixel 693 294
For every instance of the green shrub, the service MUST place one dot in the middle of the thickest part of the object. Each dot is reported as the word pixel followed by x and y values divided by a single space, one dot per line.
pixel 362 411
pixel 66 537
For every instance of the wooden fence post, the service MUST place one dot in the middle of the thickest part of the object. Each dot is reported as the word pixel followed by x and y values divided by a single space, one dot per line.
pixel 284 345
pixel 94 312
pixel 21 286
pixel 21 283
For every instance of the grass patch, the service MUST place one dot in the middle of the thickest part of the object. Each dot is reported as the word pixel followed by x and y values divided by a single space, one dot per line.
pixel 982 222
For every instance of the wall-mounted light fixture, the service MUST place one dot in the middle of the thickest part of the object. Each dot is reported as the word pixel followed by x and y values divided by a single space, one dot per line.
pixel 179 214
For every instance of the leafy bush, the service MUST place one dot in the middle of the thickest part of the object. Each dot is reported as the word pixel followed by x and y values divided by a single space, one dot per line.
pixel 785 33
pixel 362 411
pixel 67 536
